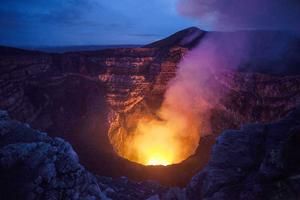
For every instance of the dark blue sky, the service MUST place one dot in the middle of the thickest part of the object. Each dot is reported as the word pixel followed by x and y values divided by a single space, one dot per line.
pixel 84 22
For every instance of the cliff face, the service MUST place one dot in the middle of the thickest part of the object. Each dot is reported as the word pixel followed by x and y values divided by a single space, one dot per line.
pixel 85 96
pixel 16 67
pixel 253 97
pixel 137 91
pixel 250 97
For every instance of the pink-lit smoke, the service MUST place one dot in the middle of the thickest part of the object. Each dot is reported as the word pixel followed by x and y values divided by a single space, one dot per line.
pixel 184 115
pixel 196 90
pixel 243 14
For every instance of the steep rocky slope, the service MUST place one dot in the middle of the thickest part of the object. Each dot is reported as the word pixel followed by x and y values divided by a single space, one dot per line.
pixel 187 38
pixel 260 161
pixel 85 97
pixel 36 166
pixel 17 66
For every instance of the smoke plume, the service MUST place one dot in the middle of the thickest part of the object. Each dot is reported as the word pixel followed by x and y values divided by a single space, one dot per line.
pixel 243 14
pixel 184 115
pixel 182 119
pixel 246 14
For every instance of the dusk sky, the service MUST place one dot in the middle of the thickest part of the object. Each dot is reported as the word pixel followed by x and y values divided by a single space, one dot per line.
pixel 104 22
pixel 86 22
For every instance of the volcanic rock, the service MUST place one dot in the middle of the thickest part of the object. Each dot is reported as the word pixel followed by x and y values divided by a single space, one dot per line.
pixel 187 38
pixel 93 96
pixel 259 161
pixel 36 166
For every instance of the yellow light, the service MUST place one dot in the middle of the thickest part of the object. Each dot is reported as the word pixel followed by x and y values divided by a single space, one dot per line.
pixel 158 161
pixel 156 142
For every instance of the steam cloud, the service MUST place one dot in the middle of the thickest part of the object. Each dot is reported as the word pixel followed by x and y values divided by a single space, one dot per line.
pixel 243 14
pixel 195 89
pixel 185 112
pixel 186 107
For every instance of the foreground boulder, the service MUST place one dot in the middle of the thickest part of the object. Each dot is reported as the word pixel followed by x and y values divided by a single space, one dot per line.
pixel 260 161
pixel 36 166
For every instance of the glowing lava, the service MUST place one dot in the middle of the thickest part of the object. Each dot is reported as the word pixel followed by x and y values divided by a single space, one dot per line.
pixel 153 143
pixel 158 160
pixel 161 142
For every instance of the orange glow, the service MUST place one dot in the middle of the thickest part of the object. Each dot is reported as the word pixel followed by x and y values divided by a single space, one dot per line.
pixel 169 137
pixel 155 144
pixel 162 142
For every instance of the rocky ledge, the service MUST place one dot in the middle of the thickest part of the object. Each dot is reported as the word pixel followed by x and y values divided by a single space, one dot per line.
pixel 260 161
pixel 36 166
